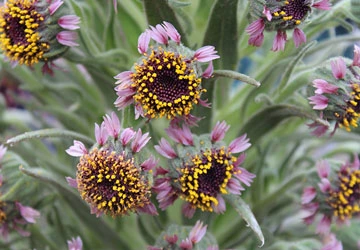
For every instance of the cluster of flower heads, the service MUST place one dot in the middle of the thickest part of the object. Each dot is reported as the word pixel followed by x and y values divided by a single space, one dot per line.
pixel 337 93
pixel 201 169
pixel 175 238
pixel 112 176
pixel 166 80
pixel 335 198
pixel 280 16
pixel 36 30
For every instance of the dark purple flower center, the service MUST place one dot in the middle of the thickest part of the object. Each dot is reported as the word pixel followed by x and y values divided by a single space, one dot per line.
pixel 206 177
pixel 111 183
pixel 166 85
pixel 19 37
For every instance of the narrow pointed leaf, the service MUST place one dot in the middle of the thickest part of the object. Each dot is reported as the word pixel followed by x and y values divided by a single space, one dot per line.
pixel 245 212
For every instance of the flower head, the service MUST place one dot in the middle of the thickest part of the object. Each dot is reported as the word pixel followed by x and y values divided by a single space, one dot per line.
pixel 26 36
pixel 337 93
pixel 166 80
pixel 109 176
pixel 280 16
pixel 201 170
pixel 336 195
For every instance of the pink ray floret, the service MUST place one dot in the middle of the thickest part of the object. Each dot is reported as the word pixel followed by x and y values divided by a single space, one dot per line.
pixel 159 34
pixel 279 41
pixel 323 86
pixel 54 6
pixel 126 135
pixel 206 54
pixel 322 5
pixel 71 181
pixel 69 22
pixel 28 213
pixel 75 244
pixel 245 176
pixel 338 68
pixel 267 13
pixel 255 30
pixel 112 124
pixel 77 150
pixel 67 38
pixel 180 135
pixel 299 37
pixel 356 59
pixel 101 133
pixel 165 149
pixel 149 163
pixel 219 131
pixel 172 32
pixel 208 71
pixel 331 243
pixel 323 227
pixel 143 42
pixel 197 232
pixel 221 206
pixel 320 102
pixel 139 141
pixel 323 168
pixel 308 195
pixel 240 144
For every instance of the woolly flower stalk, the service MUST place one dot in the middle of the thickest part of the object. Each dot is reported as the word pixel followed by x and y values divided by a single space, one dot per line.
pixel 112 177
pixel 280 16
pixel 201 169
pixel 166 80
pixel 33 31
pixel 336 197
pixel 337 93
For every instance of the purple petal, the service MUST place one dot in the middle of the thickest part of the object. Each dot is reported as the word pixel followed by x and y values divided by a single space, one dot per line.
pixel 338 68
pixel 240 144
pixel 219 131
pixel 172 32
pixel 308 195
pixel 320 102
pixel 208 71
pixel 28 213
pixel 77 150
pixel 299 37
pixel 112 124
pixel 101 134
pixel 197 232
pixel 206 54
pixel 72 182
pixel 139 141
pixel 126 135
pixel 143 42
pixel 54 6
pixel 75 243
pixel 67 38
pixel 323 168
pixel 279 41
pixel 165 149
pixel 69 22
pixel 150 163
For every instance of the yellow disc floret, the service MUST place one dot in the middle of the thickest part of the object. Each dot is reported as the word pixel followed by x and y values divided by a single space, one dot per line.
pixel 111 183
pixel 206 177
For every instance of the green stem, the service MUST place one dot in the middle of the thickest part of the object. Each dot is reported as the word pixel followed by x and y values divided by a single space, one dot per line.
pixel 44 133
pixel 236 76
